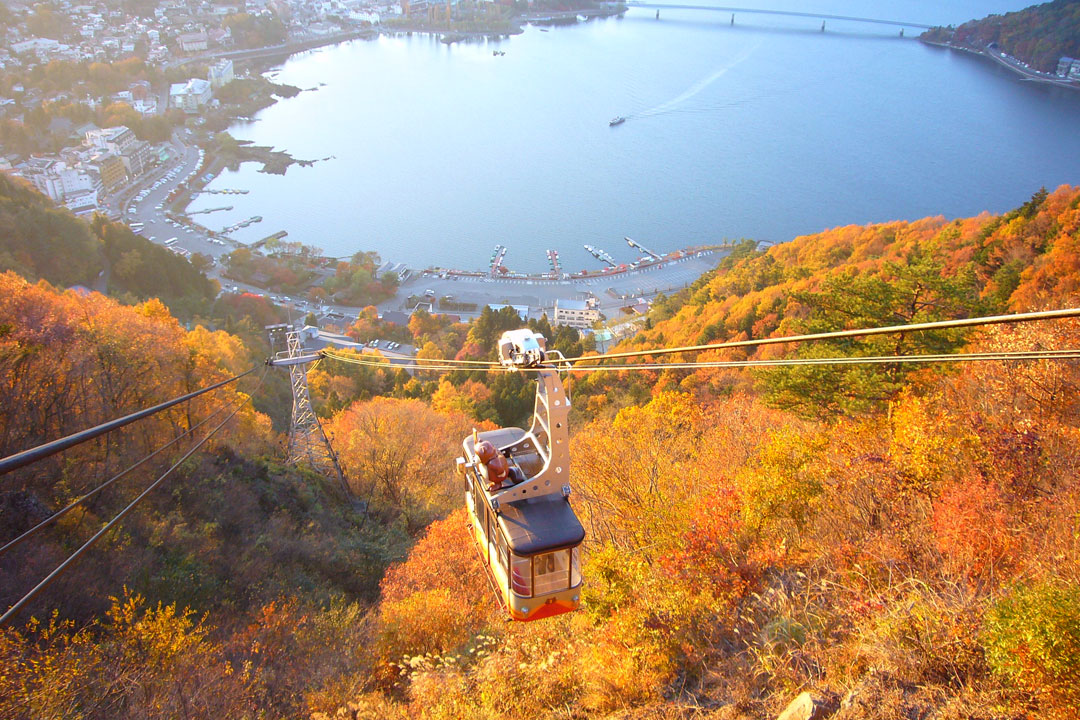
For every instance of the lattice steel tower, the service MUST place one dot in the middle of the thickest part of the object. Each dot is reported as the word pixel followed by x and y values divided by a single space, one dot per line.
pixel 308 443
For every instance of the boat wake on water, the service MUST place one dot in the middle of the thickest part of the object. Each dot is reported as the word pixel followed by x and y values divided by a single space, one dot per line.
pixel 674 104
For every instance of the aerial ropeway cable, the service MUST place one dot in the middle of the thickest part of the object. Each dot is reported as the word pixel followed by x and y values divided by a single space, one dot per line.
pixel 574 364
pixel 93 493
pixel 838 334
pixel 60 569
pixel 1018 356
pixel 27 457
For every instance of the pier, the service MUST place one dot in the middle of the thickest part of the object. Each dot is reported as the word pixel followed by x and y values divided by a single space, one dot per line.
pixel 553 261
pixel 224 191
pixel 210 210
pixel 496 261
pixel 276 236
pixel 241 224
pixel 600 255
pixel 635 244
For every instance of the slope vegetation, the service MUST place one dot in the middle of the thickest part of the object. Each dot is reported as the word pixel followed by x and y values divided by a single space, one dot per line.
pixel 902 539
pixel 1038 35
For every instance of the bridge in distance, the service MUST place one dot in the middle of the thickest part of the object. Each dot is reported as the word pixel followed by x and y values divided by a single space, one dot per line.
pixel 789 13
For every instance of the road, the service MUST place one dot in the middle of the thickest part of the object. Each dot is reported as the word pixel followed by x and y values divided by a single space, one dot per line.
pixel 158 228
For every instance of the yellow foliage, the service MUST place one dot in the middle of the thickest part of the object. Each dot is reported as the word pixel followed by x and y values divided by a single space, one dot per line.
pixel 928 443
pixel 782 485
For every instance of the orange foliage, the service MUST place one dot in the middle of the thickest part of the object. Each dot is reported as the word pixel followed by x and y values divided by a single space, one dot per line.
pixel 971 530
pixel 435 600
pixel 399 455
pixel 1027 259
pixel 71 361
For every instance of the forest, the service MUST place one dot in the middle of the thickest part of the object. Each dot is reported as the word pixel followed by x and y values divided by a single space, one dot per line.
pixel 39 240
pixel 899 540
pixel 1039 35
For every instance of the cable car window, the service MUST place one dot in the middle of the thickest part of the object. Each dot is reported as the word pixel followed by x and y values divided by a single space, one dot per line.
pixel 521 575
pixel 500 550
pixel 551 571
pixel 481 507
pixel 575 566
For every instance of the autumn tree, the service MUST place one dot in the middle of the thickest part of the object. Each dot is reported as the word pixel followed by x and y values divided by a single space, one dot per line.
pixel 399 456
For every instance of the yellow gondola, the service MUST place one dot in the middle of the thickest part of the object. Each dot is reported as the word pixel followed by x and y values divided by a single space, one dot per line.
pixel 517 492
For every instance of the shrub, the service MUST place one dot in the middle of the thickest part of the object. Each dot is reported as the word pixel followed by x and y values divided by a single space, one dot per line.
pixel 1033 639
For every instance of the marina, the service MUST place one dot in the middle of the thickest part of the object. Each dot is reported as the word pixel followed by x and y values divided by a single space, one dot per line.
pixel 556 276
pixel 616 291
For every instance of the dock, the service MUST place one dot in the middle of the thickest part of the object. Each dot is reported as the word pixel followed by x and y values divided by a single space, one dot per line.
pixel 241 224
pixel 635 244
pixel 497 260
pixel 210 210
pixel 553 261
pixel 600 255
pixel 276 236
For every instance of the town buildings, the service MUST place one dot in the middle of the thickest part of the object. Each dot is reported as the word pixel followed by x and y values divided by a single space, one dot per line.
pixel 71 186
pixel 580 314
pixel 136 154
pixel 190 96
pixel 220 73
pixel 1069 68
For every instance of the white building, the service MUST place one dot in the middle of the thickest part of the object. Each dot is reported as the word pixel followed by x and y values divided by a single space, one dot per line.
pixel 38 45
pixel 82 203
pixel 576 313
pixel 119 139
pixel 220 73
pixel 190 96
pixel 58 180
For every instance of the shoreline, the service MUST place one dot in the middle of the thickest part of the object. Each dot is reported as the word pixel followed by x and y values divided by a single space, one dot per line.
pixel 1025 74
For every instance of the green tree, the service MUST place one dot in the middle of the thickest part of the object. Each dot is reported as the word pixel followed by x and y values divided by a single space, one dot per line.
pixel 914 291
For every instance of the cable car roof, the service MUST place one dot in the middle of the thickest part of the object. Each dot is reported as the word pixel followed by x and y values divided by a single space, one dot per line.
pixel 540 524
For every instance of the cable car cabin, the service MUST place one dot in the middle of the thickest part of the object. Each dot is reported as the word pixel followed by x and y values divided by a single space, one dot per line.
pixel 517 493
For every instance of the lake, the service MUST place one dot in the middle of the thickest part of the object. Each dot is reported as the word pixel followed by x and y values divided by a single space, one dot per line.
pixel 766 129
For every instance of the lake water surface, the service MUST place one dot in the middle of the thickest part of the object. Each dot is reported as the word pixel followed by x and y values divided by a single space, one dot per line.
pixel 767 129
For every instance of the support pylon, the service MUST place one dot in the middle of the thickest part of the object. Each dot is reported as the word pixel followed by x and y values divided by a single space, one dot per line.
pixel 308 443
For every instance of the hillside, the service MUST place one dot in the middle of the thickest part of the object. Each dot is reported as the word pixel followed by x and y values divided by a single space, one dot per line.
pixel 861 276
pixel 41 241
pixel 1039 35
pixel 900 541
